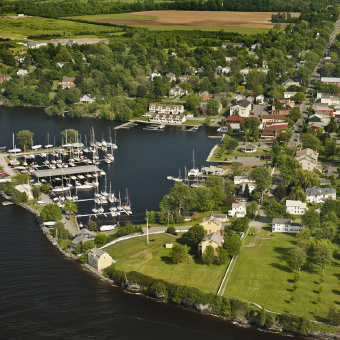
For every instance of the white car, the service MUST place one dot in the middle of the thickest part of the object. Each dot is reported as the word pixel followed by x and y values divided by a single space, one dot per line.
pixel 146 115
pixel 41 202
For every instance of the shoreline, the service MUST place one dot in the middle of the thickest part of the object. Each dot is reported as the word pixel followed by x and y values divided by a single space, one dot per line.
pixel 135 289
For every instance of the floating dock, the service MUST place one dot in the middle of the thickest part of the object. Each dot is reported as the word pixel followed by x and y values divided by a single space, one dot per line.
pixel 58 172
pixel 127 125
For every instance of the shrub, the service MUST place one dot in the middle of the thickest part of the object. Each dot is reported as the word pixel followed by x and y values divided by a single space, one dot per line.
pixel 171 230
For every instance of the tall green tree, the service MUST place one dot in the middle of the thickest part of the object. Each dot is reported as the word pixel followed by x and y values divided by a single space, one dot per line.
pixel 25 139
pixel 262 178
pixel 297 258
pixel 208 255
pixel 232 244
pixel 323 253
pixel 178 254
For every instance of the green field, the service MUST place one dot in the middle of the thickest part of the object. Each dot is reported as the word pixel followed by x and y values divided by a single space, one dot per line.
pixel 236 153
pixel 121 16
pixel 24 27
pixel 154 260
pixel 262 275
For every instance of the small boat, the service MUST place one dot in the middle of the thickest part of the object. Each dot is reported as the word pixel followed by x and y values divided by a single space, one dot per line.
pixel 101 210
pixel 95 211
pixel 170 178
pixel 107 227
pixel 36 147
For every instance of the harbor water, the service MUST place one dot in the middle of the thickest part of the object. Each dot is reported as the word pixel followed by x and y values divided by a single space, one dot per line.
pixel 45 296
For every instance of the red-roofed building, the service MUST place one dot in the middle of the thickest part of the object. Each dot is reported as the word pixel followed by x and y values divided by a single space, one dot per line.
pixel 206 95
pixel 273 131
pixel 2 78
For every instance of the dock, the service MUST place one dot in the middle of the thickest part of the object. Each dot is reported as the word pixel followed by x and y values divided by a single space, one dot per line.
pixel 65 171
pixel 126 125
pixel 157 127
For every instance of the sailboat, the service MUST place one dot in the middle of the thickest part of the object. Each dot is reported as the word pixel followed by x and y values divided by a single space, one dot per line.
pixel 194 172
pixel 127 204
pixel 48 145
pixel 179 178
pixel 14 161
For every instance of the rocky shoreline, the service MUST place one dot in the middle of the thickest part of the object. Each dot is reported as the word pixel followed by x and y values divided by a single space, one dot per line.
pixel 136 289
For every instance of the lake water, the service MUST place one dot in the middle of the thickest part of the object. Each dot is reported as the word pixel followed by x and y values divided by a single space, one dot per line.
pixel 45 296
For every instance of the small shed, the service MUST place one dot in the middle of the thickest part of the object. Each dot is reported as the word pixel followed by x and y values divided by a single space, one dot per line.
pixel 249 148
pixel 168 245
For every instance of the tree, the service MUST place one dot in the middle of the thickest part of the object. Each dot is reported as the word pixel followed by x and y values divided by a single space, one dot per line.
pixel 192 101
pixel 229 142
pixel 222 255
pixel 297 258
pixel 69 136
pixel 213 107
pixel 100 240
pixel 195 234
pixel 252 208
pixel 262 178
pixel 304 239
pixel 204 199
pixel 25 139
pixel 330 147
pixel 70 207
pixel 323 253
pixel 232 244
pixel 297 193
pixel 250 127
pixel 178 254
pixel 285 136
pixel 310 141
pixel 208 255
pixel 334 316
pixel 311 219
pixel 305 178
pixel 36 192
pixel 332 126
pixel 51 212
pixel 141 91
pixel 295 114
pixel 299 97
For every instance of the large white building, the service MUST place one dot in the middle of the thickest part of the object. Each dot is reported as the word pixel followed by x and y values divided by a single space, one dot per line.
pixel 319 195
pixel 285 225
pixel 296 207
pixel 166 108
pixel 238 210
pixel 242 109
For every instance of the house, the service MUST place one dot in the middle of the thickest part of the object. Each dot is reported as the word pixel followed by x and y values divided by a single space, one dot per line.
pixel 327 60
pixel 323 109
pixel 166 108
pixel 213 239
pixel 249 148
pixel 22 72
pixel 172 76
pixel 213 170
pixel 329 99
pixel 99 259
pixel 222 217
pixel 89 98
pixel 212 225
pixel 251 186
pixel 255 46
pixel 81 237
pixel 319 195
pixel 331 80
pixel 239 45
pixel 273 131
pixel 155 74
pixel 167 118
pixel 222 70
pixel 177 91
pixel 296 207
pixel 205 95
pixel 273 118
pixel 68 82
pixel 234 122
pixel 35 44
pixel 285 225
pixel 229 59
pixel 183 78
pixel 259 99
pixel 289 95
pixel 2 78
pixel 290 82
pixel 282 112
pixel 238 210
pixel 219 96
pixel 242 109
pixel 241 179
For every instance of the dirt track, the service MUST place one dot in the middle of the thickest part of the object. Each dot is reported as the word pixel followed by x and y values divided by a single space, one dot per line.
pixel 201 19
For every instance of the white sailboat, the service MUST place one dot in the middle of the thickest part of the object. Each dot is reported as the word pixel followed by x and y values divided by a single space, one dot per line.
pixel 194 172
pixel 48 145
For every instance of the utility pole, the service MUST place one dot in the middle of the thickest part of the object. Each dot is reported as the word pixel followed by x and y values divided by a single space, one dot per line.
pixel 147 227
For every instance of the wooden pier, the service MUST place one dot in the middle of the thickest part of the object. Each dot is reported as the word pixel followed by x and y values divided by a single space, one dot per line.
pixel 126 125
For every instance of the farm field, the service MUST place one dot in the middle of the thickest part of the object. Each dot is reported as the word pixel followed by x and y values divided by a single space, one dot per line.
pixel 154 260
pixel 243 22
pixel 262 275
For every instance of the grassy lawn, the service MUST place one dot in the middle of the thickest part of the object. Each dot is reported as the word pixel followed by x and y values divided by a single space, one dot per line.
pixel 154 260
pixel 262 275
pixel 193 122
pixel 225 156
pixel 251 236
pixel 42 26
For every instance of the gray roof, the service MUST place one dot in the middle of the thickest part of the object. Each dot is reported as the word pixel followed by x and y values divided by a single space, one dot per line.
pixel 213 219
pixel 213 237
pixel 83 235
pixel 65 171
pixel 291 203
pixel 249 146
pixel 281 221
pixel 244 103
pixel 314 191
pixel 96 253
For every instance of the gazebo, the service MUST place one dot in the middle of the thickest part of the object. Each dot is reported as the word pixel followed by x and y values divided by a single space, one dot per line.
pixel 249 148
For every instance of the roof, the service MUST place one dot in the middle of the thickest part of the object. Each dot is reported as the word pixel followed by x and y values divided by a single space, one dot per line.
pixel 281 221
pixel 244 103
pixel 68 79
pixel 330 80
pixel 314 191
pixel 96 253
pixel 249 146
pixel 274 116
pixel 171 106
pixel 83 234
pixel 213 237
pixel 65 171
pixel 291 203
pixel 234 119
pixel 238 205
pixel 212 219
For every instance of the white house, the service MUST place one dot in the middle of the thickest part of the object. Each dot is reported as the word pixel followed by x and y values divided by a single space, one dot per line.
pixel 289 95
pixel 238 210
pixel 177 91
pixel 166 108
pixel 255 46
pixel 242 109
pixel 308 159
pixel 154 74
pixel 285 225
pixel 296 207
pixel 171 75
pixel 22 72
pixel 167 118
pixel 259 99
pixel 319 195
pixel 99 259
pixel 242 179
pixel 251 186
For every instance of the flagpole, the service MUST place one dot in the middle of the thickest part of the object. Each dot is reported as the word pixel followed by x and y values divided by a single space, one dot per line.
pixel 147 227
